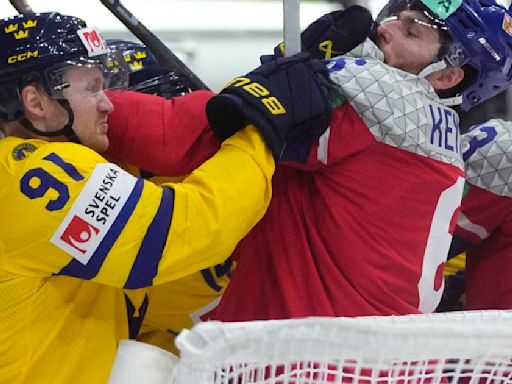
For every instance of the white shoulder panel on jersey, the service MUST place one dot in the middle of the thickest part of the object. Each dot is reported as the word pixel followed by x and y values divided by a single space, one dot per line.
pixel 399 108
pixel 487 152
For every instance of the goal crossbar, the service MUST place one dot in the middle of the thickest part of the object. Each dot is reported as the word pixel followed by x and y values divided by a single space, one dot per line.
pixel 459 348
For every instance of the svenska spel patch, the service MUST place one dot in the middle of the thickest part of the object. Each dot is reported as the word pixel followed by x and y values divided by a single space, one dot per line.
pixel 94 211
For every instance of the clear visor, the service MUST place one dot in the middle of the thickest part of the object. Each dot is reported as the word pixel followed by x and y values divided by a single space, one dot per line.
pixel 148 84
pixel 411 19
pixel 87 76
pixel 168 85
pixel 427 38
pixel 410 13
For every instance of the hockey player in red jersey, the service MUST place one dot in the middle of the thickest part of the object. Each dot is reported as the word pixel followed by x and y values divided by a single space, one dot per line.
pixel 361 219
pixel 484 227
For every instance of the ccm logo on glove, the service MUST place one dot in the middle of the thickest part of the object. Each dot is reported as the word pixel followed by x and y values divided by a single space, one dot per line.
pixel 259 91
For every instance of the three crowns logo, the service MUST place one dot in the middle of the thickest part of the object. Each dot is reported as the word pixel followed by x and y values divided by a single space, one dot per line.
pixel 21 34
pixel 139 55
pixel 138 58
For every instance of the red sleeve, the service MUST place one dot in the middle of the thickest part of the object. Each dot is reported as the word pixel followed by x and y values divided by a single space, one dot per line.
pixel 167 137
pixel 481 213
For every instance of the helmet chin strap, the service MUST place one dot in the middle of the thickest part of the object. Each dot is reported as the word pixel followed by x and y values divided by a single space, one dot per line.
pixel 66 131
pixel 431 68
pixel 434 67
pixel 451 101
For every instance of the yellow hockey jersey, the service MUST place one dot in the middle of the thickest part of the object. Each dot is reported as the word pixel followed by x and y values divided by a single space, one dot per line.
pixel 76 229
pixel 181 303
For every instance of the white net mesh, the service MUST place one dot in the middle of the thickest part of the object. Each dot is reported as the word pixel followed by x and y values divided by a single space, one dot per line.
pixel 462 348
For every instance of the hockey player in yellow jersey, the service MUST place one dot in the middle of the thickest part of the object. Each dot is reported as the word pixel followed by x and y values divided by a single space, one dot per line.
pixel 76 230
pixel 177 304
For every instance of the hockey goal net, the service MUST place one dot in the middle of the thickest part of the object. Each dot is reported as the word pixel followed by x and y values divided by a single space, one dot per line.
pixel 461 348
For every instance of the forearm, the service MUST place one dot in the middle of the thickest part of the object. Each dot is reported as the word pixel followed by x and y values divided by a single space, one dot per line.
pixel 217 205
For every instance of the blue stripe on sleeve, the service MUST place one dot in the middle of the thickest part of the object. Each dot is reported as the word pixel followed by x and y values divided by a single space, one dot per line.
pixel 91 269
pixel 145 266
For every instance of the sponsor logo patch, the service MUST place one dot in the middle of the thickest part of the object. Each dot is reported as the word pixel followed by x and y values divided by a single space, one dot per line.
pixel 93 41
pixel 94 211
pixel 79 233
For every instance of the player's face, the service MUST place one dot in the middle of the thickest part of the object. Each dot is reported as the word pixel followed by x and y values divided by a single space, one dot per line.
pixel 90 106
pixel 408 42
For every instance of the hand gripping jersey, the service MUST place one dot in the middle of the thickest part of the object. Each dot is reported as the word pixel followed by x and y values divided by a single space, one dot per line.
pixel 176 139
pixel 484 228
pixel 76 229
pixel 364 227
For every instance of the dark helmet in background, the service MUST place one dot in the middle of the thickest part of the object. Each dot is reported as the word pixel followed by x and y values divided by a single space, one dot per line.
pixel 146 73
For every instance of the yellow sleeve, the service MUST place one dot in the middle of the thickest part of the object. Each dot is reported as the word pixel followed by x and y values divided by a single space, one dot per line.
pixel 72 213
pixel 181 303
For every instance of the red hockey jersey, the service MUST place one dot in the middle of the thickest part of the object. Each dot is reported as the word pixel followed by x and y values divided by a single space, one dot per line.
pixel 362 227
